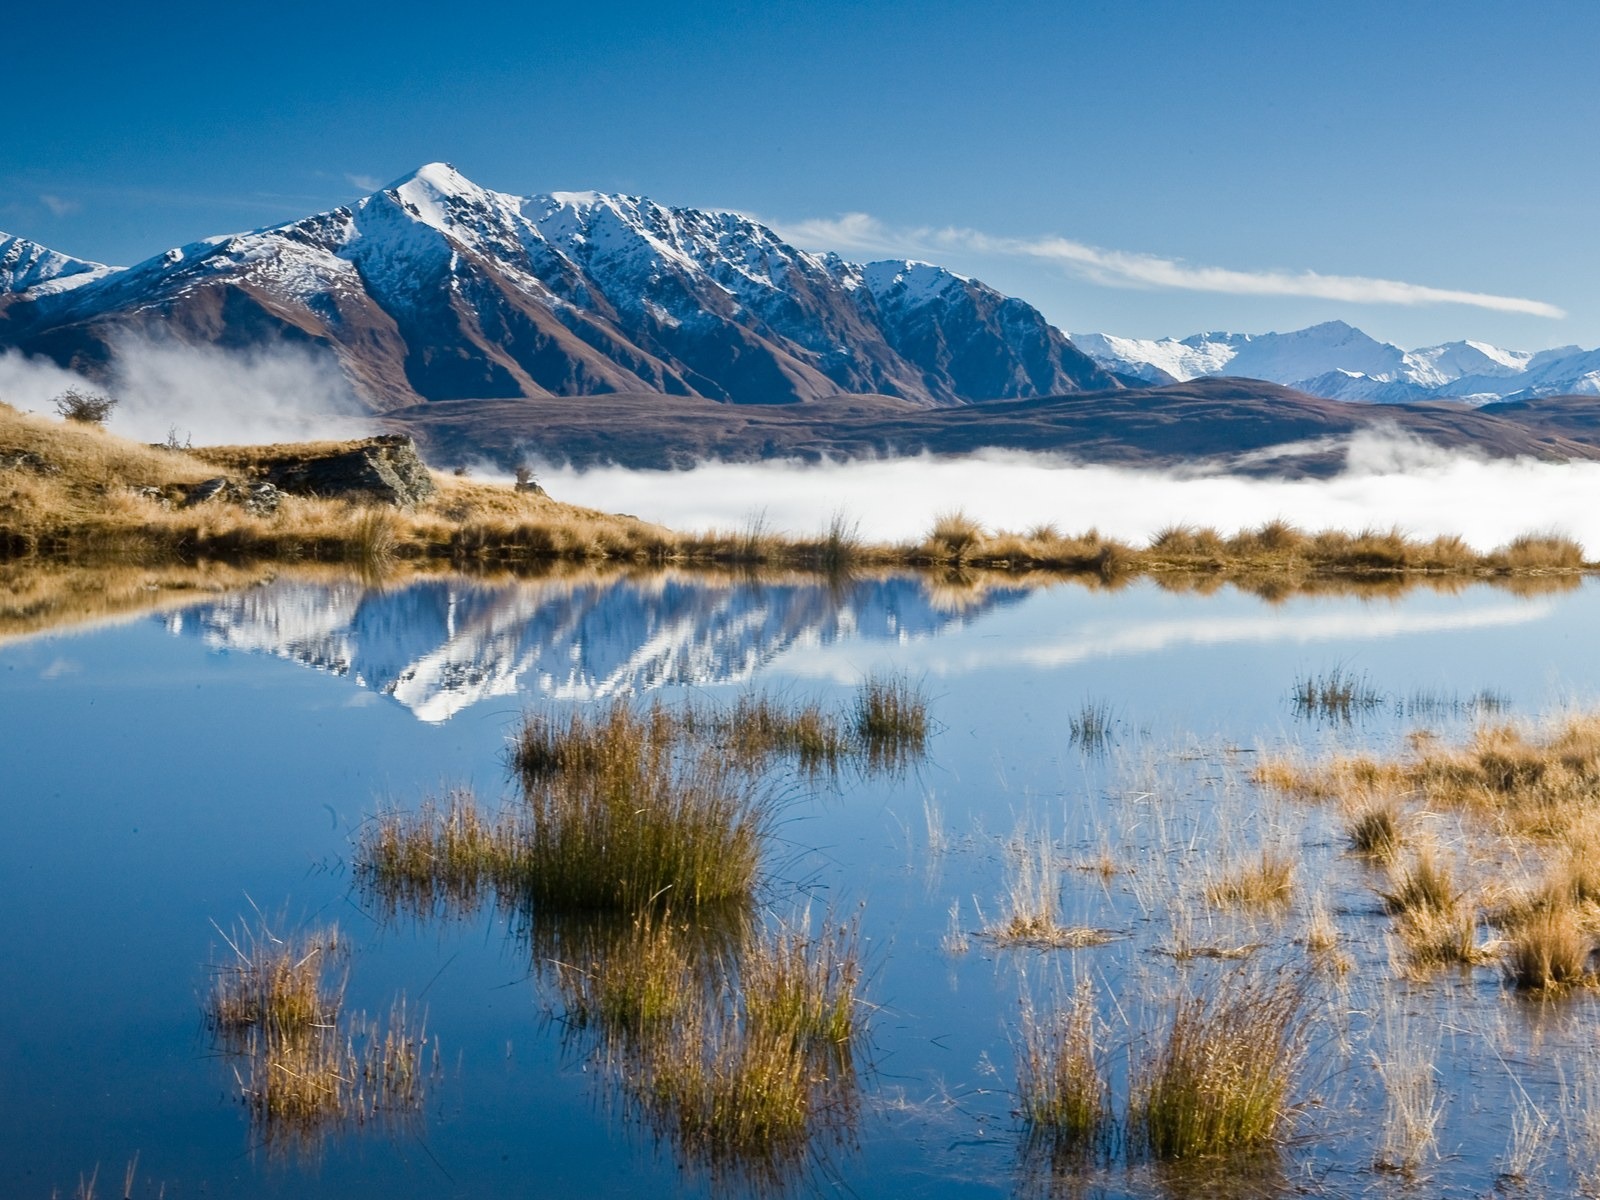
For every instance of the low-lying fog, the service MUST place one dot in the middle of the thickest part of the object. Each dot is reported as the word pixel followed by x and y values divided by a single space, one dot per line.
pixel 1387 481
pixel 213 396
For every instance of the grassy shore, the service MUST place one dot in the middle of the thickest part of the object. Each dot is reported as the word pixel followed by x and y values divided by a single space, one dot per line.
pixel 76 493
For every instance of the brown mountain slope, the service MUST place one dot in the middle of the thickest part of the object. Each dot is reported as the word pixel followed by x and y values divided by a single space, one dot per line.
pixel 1241 424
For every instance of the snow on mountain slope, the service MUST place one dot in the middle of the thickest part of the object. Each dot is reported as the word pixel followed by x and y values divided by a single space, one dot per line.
pixel 1337 361
pixel 27 265
pixel 435 288
pixel 1164 360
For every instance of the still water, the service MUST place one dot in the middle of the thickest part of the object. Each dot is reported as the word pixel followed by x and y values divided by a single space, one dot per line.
pixel 172 774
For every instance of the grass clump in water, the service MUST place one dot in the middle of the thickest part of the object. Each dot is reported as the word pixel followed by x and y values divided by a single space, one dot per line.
pixel 1373 827
pixel 1266 882
pixel 1217 1079
pixel 302 1067
pixel 1548 952
pixel 1061 1080
pixel 437 859
pixel 1030 904
pixel 1425 884
pixel 891 719
pixel 619 817
pixel 281 985
pixel 1339 695
pixel 1092 725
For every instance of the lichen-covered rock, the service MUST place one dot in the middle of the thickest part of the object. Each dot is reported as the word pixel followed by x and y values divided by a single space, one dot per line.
pixel 26 460
pixel 255 496
pixel 385 468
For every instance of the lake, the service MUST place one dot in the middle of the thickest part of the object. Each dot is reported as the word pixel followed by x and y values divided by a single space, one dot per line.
pixel 174 776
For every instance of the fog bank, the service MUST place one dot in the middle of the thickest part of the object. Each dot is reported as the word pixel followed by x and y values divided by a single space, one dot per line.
pixel 203 394
pixel 1387 481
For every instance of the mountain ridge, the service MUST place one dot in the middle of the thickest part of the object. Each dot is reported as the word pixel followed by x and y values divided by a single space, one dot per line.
pixel 1337 361
pixel 435 288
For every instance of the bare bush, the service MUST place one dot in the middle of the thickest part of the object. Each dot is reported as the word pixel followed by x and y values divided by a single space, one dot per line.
pixel 89 408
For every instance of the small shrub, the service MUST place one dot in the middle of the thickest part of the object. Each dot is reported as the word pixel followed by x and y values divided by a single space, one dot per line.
pixel 87 408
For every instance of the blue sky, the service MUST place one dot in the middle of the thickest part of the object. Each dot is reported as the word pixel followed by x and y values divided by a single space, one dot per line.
pixel 1142 168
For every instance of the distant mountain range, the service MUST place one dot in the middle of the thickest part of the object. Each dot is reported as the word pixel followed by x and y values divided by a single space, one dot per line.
pixel 1339 362
pixel 591 328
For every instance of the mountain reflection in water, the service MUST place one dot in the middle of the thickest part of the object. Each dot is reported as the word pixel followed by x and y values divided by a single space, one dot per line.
pixel 439 645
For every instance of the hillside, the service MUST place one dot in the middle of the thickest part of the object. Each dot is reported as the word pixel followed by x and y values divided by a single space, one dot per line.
pixel 1241 425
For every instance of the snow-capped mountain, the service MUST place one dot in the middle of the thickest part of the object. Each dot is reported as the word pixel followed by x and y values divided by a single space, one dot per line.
pixel 1339 362
pixel 437 289
pixel 26 266
pixel 438 646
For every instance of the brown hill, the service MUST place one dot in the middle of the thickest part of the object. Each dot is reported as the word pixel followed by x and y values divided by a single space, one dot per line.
pixel 1239 424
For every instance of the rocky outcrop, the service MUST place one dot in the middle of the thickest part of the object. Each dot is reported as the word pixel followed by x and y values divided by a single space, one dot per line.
pixel 386 469
pixel 255 496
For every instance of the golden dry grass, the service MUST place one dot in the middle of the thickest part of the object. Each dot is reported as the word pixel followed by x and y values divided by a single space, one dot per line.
pixel 73 490
pixel 1264 882
pixel 1216 1080
pixel 1062 1084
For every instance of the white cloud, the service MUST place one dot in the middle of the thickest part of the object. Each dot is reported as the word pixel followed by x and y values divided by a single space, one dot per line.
pixel 1119 268
pixel 59 206
pixel 366 183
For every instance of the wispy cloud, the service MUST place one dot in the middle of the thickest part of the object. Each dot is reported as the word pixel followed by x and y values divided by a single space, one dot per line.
pixel 861 232
pixel 59 206
pixel 367 183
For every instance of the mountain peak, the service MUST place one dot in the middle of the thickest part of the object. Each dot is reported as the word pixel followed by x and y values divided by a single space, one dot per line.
pixel 438 177
pixel 26 264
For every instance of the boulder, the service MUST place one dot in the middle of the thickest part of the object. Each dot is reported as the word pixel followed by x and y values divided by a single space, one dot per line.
pixel 385 468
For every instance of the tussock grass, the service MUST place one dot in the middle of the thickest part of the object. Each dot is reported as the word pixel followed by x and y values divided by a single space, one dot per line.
pixel 1537 781
pixel 73 490
pixel 1548 952
pixel 1264 882
pixel 757 728
pixel 283 985
pixel 953 536
pixel 887 726
pixel 1092 726
pixel 1030 906
pixel 1338 694
pixel 304 1068
pixel 1062 1085
pixel 440 858
pixel 1425 883
pixel 1373 825
pixel 1217 1079
pixel 891 719
pixel 1412 1105
pixel 1433 938
pixel 640 824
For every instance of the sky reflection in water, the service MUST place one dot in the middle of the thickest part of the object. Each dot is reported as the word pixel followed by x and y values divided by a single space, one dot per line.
pixel 170 772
